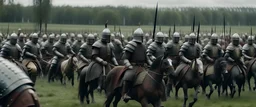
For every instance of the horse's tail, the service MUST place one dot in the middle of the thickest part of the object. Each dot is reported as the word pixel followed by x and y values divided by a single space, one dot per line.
pixel 82 89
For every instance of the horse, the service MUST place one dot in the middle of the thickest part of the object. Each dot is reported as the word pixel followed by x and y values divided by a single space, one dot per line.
pixel 235 75
pixel 213 74
pixel 150 89
pixel 251 73
pixel 32 68
pixel 93 84
pixel 67 68
pixel 189 77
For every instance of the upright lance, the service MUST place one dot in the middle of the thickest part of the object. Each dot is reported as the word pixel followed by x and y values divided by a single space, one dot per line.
pixel 198 32
pixel 155 20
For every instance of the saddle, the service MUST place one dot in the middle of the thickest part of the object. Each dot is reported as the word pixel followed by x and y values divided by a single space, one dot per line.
pixel 208 69
pixel 181 73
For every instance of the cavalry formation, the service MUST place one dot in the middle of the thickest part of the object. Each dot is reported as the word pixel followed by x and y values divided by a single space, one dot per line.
pixel 141 68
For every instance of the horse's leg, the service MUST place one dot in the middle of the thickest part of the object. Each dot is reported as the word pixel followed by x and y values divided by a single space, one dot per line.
pixel 117 99
pixel 239 89
pixel 195 97
pixel 157 103
pixel 219 86
pixel 211 90
pixel 233 87
pixel 185 91
pixel 72 80
pixel 93 86
pixel 254 76
pixel 248 81
pixel 176 92
pixel 144 102
pixel 109 99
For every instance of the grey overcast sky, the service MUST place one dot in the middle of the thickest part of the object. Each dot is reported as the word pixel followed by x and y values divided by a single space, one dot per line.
pixel 150 3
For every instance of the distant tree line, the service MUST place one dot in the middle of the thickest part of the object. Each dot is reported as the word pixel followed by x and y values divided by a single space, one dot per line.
pixel 122 15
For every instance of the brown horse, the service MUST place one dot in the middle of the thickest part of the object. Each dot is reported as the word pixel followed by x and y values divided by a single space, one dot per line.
pixel 151 89
pixel 67 69
pixel 189 77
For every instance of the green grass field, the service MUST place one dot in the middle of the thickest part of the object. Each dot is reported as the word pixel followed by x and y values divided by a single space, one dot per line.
pixel 57 95
pixel 127 30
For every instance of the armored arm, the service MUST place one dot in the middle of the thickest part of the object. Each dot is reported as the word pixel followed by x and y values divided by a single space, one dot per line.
pixel 125 57
pixel 5 51
pixel 206 52
pixel 57 53
pixel 227 56
pixel 183 58
pixel 113 59
pixel 150 51
pixel 70 50
pixel 95 53
pixel 83 58
pixel 27 53
pixel 244 52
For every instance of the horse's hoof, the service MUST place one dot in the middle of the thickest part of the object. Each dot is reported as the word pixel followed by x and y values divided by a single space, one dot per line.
pixel 88 101
pixel 207 96
pixel 254 88
pixel 93 102
pixel 190 105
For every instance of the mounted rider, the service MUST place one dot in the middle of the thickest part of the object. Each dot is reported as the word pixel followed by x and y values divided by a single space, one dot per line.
pixel 189 51
pixel 60 50
pixel 156 48
pixel 32 53
pixel 249 51
pixel 77 44
pixel 118 47
pixel 85 52
pixel 71 40
pixel 234 55
pixel 102 57
pixel 134 58
pixel 21 40
pixel 212 51
pixel 11 50
pixel 16 87
pixel 173 48
pixel 47 48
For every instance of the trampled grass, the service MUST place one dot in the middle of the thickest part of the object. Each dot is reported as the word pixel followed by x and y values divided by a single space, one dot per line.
pixel 57 95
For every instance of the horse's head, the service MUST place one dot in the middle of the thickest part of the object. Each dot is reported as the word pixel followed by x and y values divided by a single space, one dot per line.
pixel 72 60
pixel 220 66
pixel 162 64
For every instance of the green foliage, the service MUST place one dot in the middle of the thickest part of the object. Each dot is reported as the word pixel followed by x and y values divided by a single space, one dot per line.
pixel 122 15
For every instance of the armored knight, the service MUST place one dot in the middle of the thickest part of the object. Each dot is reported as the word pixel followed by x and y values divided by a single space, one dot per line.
pixel 71 39
pixel 60 50
pixel 16 87
pixel 134 57
pixel 249 50
pixel 212 51
pixel 47 48
pixel 189 51
pixel 102 57
pixel 31 52
pixel 233 53
pixel 85 52
pixel 11 50
pixel 77 44
pixel 156 48
pixel 173 48
pixel 21 40
pixel 118 48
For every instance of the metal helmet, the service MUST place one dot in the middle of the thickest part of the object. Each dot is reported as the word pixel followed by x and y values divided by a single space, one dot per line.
pixel 138 35
pixel 13 38
pixel 235 39
pixel 192 38
pixel 44 37
pixel 57 37
pixel 34 38
pixel 72 35
pixel 250 40
pixel 176 37
pixel 1 34
pixel 90 39
pixel 63 38
pixel 79 37
pixel 106 35
pixel 51 38
pixel 159 37
pixel 214 38
pixel 186 38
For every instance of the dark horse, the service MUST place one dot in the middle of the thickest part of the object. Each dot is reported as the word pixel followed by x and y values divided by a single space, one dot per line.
pixel 213 74
pixel 189 77
pixel 235 76
pixel 67 69
pixel 251 73
pixel 151 89
pixel 87 84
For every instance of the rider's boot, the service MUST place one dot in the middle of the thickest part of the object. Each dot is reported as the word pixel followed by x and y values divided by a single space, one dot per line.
pixel 125 89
